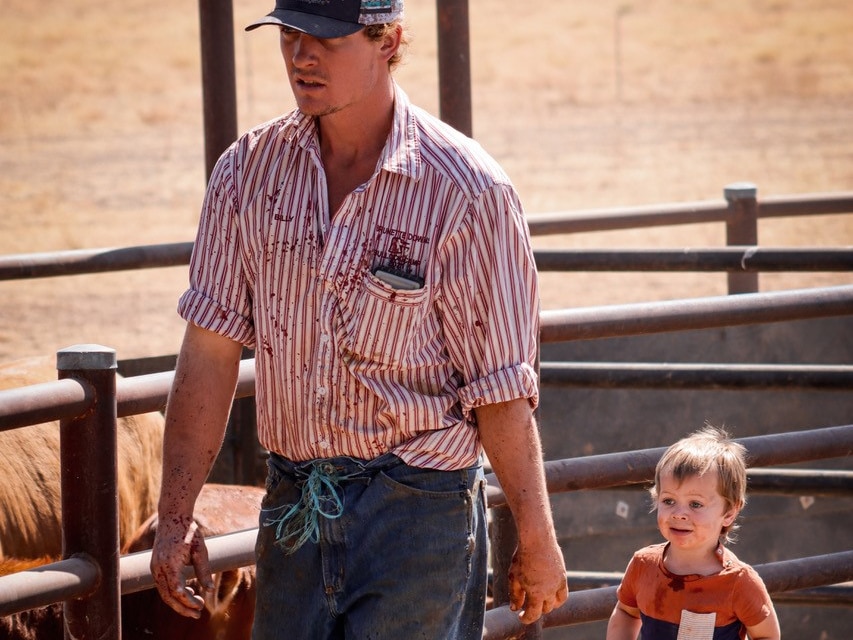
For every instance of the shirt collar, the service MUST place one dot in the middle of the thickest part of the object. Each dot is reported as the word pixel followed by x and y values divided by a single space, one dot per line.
pixel 401 153
pixel 402 150
pixel 725 557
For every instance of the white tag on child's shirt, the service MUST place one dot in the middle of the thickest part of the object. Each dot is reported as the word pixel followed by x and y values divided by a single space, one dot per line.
pixel 696 626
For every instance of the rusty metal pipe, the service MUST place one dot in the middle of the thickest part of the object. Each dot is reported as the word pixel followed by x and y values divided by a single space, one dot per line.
pixel 597 604
pixel 735 377
pixel 742 230
pixel 227 551
pixel 634 467
pixel 834 595
pixel 218 78
pixel 43 402
pixel 728 259
pixel 696 313
pixel 663 215
pixel 82 261
pixel 141 394
pixel 787 482
pixel 89 476
pixel 454 65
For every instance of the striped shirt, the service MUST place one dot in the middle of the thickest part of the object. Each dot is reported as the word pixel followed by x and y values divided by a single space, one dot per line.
pixel 348 364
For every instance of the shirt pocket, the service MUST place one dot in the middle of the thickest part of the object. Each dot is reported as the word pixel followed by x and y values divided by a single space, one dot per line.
pixel 381 324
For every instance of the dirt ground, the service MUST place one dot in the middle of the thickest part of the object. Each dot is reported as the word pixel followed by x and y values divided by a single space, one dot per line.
pixel 588 104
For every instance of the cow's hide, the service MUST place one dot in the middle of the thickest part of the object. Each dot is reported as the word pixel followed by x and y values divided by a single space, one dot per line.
pixel 230 609
pixel 228 613
pixel 30 506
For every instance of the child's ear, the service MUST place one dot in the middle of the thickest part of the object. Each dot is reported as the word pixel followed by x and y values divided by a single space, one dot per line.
pixel 731 514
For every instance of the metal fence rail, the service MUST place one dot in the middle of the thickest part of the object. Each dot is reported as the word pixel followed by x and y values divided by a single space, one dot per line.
pixel 622 375
pixel 614 219
pixel 726 259
pixel 632 467
pixel 80 576
pixel 696 313
pixel 597 604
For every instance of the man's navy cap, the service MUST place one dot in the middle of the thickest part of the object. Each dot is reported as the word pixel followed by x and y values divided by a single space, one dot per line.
pixel 330 18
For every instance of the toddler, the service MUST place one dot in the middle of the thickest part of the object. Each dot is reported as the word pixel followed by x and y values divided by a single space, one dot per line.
pixel 691 587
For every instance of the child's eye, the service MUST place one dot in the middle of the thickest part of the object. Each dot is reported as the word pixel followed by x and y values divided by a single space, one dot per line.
pixel 668 502
pixel 695 505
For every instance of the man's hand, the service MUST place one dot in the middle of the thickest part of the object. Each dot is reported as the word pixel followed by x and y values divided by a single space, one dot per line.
pixel 537 581
pixel 178 544
pixel 537 575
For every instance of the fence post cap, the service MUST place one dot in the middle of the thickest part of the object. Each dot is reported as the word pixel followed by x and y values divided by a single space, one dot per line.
pixel 85 357
pixel 740 191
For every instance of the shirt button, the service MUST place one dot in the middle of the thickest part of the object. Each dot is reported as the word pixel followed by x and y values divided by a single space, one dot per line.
pixel 321 391
pixel 324 445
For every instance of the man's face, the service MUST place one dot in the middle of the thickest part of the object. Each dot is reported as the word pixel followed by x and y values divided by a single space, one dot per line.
pixel 328 75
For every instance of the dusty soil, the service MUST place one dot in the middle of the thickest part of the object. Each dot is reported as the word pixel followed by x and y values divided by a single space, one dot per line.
pixel 588 104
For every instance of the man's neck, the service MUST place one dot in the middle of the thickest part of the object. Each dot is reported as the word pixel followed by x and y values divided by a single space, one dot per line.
pixel 358 133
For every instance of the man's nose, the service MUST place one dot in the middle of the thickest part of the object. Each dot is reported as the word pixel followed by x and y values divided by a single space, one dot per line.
pixel 302 49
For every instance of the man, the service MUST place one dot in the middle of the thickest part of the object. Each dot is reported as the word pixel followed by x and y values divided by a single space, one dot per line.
pixel 379 264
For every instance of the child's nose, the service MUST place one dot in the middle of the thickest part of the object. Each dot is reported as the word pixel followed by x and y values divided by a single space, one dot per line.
pixel 679 512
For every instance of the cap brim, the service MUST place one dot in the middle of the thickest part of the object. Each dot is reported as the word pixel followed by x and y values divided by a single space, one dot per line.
pixel 317 26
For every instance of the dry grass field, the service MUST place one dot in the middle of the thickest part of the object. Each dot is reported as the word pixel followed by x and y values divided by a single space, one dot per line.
pixel 588 104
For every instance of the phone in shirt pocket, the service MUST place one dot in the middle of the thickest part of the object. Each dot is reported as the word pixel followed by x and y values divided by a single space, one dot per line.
pixel 397 280
pixel 382 323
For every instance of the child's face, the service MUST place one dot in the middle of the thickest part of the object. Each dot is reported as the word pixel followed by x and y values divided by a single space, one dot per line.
pixel 691 515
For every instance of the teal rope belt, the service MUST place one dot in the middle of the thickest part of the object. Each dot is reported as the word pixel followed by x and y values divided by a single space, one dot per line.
pixel 320 497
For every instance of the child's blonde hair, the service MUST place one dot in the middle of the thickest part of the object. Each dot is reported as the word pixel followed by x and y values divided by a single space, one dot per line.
pixel 706 449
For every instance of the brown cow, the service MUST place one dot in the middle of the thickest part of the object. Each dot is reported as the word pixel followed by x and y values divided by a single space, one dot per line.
pixel 228 613
pixel 30 506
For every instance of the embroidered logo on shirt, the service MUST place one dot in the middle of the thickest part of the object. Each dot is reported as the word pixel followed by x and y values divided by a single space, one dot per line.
pixel 398 248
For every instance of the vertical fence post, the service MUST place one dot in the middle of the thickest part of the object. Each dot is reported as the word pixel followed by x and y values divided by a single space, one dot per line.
pixel 742 230
pixel 218 78
pixel 503 539
pixel 454 64
pixel 88 446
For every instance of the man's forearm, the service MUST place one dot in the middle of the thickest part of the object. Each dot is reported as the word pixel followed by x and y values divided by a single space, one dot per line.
pixel 196 414
pixel 537 574
pixel 511 442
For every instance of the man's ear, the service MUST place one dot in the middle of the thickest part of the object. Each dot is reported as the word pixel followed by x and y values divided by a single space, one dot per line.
pixel 391 42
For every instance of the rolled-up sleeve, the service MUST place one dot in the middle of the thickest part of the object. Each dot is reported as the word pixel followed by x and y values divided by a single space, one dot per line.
pixel 218 297
pixel 491 302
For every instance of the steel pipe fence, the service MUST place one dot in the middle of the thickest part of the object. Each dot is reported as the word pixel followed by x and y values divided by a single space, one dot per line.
pixel 597 604
pixel 562 475
pixel 676 214
pixel 71 398
pixel 77 576
pixel 564 325
pixel 626 375
pixel 776 481
pixel 609 470
pixel 742 259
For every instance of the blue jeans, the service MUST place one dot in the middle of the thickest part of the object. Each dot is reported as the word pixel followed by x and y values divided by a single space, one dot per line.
pixel 403 557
